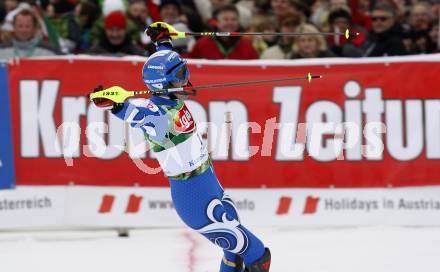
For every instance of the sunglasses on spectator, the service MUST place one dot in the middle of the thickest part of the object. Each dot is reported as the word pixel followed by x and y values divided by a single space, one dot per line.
pixel 380 18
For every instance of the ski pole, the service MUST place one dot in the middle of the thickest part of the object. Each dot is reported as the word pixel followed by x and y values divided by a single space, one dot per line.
pixel 119 95
pixel 174 34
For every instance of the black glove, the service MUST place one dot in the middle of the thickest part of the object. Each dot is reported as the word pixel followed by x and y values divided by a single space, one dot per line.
pixel 158 33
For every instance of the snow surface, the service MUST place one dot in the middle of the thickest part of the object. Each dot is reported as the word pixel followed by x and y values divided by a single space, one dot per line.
pixel 367 249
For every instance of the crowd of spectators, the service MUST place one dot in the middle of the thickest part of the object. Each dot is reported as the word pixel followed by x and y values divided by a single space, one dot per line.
pixel 115 27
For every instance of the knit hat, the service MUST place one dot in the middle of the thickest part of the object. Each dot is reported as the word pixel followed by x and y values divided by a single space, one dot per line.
pixel 115 19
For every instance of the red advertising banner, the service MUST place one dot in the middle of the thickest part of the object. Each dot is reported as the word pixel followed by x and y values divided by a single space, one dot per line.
pixel 374 123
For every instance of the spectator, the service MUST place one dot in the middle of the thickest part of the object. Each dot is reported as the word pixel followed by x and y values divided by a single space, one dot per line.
pixel 284 48
pixel 115 40
pixel 420 16
pixel 139 17
pixel 110 6
pixel 357 9
pixel 408 38
pixel 386 36
pixel 310 46
pixel 260 7
pixel 263 24
pixel 86 14
pixel 245 14
pixel 57 7
pixel 435 9
pixel 75 25
pixel 10 5
pixel 204 8
pixel 61 16
pixel 339 20
pixel 2 17
pixel 25 41
pixel 207 9
pixel 334 4
pixel 282 8
pixel 434 37
pixel 138 14
pixel 191 17
pixel 171 13
pixel 45 29
pixel 153 9
pixel 2 13
pixel 319 12
pixel 12 8
pixel 416 37
pixel 360 10
pixel 422 43
pixel 225 47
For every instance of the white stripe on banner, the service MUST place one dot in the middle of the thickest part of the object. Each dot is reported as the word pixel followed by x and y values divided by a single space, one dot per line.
pixel 87 206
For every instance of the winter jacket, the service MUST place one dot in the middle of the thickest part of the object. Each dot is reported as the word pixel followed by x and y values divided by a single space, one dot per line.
pixel 277 52
pixel 388 43
pixel 215 48
pixel 322 54
pixel 126 48
pixel 32 48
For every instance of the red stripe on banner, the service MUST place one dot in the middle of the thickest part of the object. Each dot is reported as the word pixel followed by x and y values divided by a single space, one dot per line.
pixel 134 204
pixel 284 205
pixel 106 204
pixel 311 205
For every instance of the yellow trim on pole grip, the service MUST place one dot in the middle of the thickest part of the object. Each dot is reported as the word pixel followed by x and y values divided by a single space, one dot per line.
pixel 171 30
pixel 115 94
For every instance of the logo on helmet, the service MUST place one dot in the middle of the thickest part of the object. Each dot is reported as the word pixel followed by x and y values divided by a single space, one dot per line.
pixel 155 80
pixel 172 56
pixel 159 67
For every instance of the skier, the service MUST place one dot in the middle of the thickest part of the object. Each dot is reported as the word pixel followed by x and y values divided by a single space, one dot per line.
pixel 170 130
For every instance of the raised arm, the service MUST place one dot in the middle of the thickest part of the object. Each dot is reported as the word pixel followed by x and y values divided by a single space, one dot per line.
pixel 148 117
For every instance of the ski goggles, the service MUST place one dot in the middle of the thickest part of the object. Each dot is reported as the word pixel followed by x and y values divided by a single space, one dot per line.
pixel 179 72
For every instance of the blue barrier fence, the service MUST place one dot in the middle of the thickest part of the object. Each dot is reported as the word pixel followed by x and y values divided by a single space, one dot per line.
pixel 7 171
